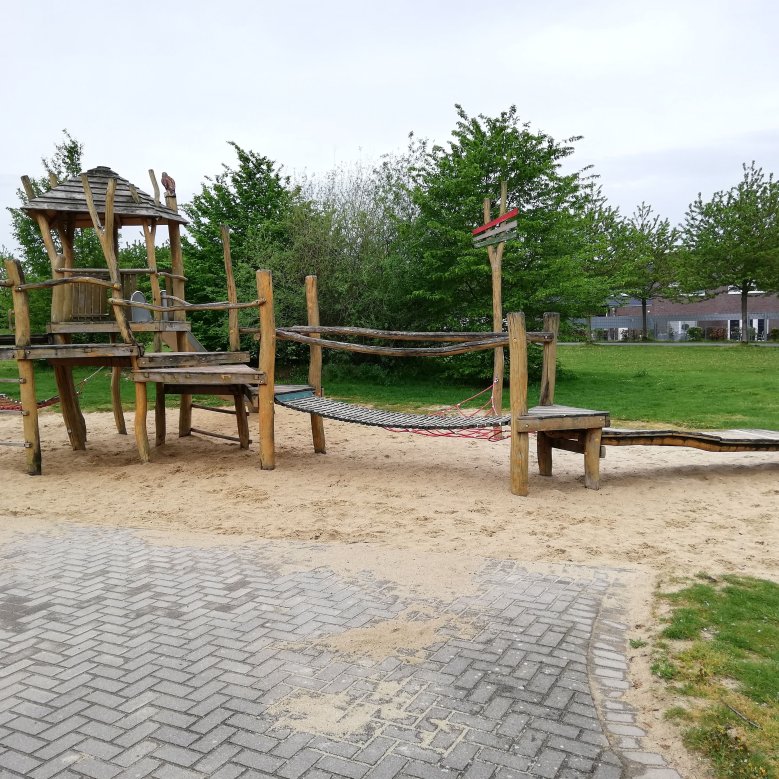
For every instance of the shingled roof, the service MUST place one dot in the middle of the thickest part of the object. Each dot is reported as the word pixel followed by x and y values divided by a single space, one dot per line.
pixel 68 199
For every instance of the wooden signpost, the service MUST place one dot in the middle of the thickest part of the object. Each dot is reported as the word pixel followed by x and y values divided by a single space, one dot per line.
pixel 493 235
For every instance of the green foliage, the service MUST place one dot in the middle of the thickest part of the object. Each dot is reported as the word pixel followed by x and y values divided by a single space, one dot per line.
pixel 552 267
pixel 253 198
pixel 733 239
pixel 645 257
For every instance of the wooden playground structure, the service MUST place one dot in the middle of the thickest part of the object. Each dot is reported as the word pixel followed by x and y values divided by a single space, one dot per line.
pixel 92 304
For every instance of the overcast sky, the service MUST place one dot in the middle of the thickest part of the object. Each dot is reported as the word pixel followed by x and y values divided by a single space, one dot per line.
pixel 671 97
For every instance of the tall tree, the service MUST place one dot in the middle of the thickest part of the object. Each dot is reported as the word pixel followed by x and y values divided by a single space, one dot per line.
pixel 252 198
pixel 547 269
pixel 646 259
pixel 733 239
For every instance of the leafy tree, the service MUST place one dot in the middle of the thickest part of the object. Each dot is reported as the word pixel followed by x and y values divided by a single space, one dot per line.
pixel 733 240
pixel 645 257
pixel 253 199
pixel 65 163
pixel 548 269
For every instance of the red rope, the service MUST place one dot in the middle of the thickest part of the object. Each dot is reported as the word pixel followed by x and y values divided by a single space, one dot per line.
pixel 479 433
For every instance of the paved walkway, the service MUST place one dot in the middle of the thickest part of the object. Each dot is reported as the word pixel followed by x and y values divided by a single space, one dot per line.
pixel 119 658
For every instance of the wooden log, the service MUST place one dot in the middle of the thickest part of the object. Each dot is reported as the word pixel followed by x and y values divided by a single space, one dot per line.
pixel 315 364
pixel 592 458
pixel 267 365
pixel 112 327
pixel 155 186
pixel 544 450
pixel 185 414
pixel 549 365
pixel 176 259
pixel 392 351
pixel 105 233
pixel 70 280
pixel 496 261
pixel 71 413
pixel 219 306
pixel 232 292
pixel 520 443
pixel 21 303
pixel 242 419
pixel 407 335
pixel 149 235
pixel 32 437
pixel 116 400
pixel 141 433
pixel 159 414
pixel 55 258
pixel 224 437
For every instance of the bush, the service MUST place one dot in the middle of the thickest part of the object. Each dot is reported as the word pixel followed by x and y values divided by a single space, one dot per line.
pixel 695 333
pixel 773 335
pixel 716 333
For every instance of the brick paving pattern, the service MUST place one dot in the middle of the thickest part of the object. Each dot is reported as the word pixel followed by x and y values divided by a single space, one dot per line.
pixel 119 658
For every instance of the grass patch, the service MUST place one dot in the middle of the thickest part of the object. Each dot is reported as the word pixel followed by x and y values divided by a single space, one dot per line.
pixel 720 649
pixel 699 387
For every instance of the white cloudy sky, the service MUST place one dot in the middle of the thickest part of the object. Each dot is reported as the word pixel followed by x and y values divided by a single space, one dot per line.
pixel 671 97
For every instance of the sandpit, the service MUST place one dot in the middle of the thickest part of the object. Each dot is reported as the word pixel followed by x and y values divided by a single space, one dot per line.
pixel 659 510
pixel 422 513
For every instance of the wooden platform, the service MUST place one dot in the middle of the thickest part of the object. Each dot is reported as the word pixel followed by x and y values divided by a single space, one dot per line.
pixel 212 375
pixel 708 440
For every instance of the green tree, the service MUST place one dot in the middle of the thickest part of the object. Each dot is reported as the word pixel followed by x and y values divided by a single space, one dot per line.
pixel 253 198
pixel 733 240
pixel 646 258
pixel 549 268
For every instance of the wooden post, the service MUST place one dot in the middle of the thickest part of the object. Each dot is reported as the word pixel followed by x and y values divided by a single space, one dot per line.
pixel 32 437
pixel 495 254
pixel 549 367
pixel 520 442
pixel 149 234
pixel 592 458
pixel 242 418
pixel 159 414
pixel 116 400
pixel 179 291
pixel 232 292
pixel 141 433
pixel 267 366
pixel 315 363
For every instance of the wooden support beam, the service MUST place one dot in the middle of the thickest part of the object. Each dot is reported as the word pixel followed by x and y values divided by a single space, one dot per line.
pixel 141 433
pixel 520 442
pixel 242 419
pixel 267 366
pixel 315 363
pixel 232 292
pixel 116 400
pixel 549 365
pixel 159 415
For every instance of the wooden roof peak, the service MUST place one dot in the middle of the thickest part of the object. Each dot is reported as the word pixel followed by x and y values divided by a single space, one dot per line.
pixel 132 206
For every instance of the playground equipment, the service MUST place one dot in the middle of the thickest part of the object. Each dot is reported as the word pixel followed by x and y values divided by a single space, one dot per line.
pixel 542 419
pixel 94 301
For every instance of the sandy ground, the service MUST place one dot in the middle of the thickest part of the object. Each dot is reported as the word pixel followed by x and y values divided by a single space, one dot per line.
pixel 424 511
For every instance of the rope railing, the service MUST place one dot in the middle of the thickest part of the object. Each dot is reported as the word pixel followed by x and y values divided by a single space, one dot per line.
pixel 404 335
pixel 393 351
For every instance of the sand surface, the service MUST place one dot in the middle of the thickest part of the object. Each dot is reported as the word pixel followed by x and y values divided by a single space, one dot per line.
pixel 420 512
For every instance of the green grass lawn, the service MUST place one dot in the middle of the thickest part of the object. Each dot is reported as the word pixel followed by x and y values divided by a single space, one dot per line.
pixel 719 652
pixel 696 387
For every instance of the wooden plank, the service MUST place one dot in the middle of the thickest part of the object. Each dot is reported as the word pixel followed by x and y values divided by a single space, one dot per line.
pixel 76 351
pixel 191 359
pixel 220 375
pixel 496 239
pixel 112 327
pixel 224 437
pixel 544 453
pixel 502 218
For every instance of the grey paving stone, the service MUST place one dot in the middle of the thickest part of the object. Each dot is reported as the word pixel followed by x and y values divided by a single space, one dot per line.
pixel 125 659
